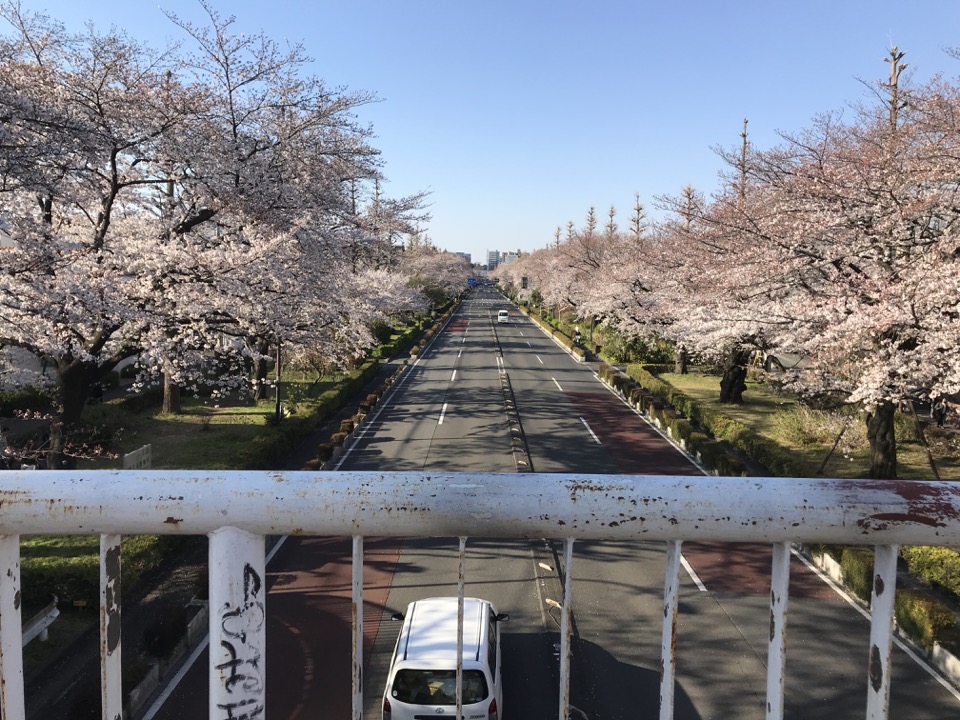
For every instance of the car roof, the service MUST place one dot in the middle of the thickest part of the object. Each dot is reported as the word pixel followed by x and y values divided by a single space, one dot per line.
pixel 430 628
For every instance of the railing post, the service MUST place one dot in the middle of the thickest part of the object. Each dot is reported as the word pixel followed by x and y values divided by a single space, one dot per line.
pixel 777 652
pixel 565 628
pixel 11 650
pixel 668 643
pixel 111 686
pixel 237 624
pixel 881 630
pixel 357 593
pixel 461 585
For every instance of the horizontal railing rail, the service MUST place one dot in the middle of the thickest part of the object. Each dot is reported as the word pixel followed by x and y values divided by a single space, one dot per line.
pixel 238 509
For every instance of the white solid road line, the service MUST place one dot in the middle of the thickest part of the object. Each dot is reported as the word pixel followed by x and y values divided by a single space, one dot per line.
pixel 693 574
pixel 443 411
pixel 897 640
pixel 590 430
pixel 557 384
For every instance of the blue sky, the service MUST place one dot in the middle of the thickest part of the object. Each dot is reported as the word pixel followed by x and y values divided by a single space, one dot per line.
pixel 518 116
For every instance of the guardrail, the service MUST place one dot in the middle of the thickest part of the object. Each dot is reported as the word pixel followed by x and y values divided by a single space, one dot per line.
pixel 39 624
pixel 236 510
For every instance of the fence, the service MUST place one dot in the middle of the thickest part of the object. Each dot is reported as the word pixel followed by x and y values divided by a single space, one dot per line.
pixel 139 459
pixel 238 509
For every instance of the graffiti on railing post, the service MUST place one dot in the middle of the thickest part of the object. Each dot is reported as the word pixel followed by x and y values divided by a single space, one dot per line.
pixel 242 669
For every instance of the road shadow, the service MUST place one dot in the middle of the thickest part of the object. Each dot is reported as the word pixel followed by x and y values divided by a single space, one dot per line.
pixel 601 686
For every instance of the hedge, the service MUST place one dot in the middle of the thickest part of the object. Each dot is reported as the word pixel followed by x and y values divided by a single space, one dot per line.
pixel 74 574
pixel 939 566
pixel 763 450
pixel 272 446
pixel 923 618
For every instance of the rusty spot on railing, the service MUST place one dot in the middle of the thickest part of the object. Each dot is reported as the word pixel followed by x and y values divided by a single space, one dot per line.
pixel 172 520
pixel 112 600
pixel 773 615
pixel 878 585
pixel 926 505
pixel 876 669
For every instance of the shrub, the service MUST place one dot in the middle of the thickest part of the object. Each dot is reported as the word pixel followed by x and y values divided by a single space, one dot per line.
pixel 857 566
pixel 803 426
pixel 905 427
pixel 346 426
pixel 324 452
pixel 938 566
pixel 338 438
pixel 382 331
pixel 923 618
pixel 28 398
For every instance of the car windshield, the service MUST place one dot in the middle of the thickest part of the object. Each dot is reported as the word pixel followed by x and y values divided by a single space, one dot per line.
pixel 438 687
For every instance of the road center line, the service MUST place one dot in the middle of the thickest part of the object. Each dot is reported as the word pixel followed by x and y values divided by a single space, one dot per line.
pixel 590 430
pixel 443 411
pixel 454 376
pixel 557 384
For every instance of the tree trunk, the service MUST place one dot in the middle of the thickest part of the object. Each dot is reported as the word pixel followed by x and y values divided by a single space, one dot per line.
pixel 883 443
pixel 74 379
pixel 734 380
pixel 680 361
pixel 260 367
pixel 171 396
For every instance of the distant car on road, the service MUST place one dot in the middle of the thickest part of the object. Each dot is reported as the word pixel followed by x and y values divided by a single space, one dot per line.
pixel 503 316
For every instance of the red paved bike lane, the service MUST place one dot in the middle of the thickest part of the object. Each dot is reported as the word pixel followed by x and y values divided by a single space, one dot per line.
pixel 309 586
pixel 639 449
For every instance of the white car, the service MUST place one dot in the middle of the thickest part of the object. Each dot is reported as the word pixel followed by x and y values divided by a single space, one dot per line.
pixel 503 316
pixel 422 681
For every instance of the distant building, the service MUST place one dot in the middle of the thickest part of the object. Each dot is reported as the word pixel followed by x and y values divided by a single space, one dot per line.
pixel 465 256
pixel 493 259
pixel 509 257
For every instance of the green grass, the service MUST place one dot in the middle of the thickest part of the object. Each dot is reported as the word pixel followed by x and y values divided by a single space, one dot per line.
pixel 762 404
pixel 208 434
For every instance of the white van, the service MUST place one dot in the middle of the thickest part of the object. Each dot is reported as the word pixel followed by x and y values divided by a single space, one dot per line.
pixel 503 316
pixel 422 681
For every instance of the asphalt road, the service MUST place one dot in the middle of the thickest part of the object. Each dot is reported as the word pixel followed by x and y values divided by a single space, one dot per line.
pixel 449 415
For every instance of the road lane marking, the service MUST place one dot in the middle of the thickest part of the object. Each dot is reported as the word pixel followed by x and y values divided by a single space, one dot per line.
pixel 539 358
pixel 590 430
pixel 454 376
pixel 897 640
pixel 693 574
pixel 443 411
pixel 557 384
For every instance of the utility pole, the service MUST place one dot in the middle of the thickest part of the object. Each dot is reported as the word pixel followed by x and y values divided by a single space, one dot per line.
pixel 743 163
pixel 896 104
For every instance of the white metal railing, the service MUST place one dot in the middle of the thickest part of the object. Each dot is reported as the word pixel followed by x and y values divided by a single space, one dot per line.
pixel 238 509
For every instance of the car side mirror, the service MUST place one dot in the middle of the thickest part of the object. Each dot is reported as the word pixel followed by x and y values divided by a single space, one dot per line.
pixel 502 617
pixel 397 616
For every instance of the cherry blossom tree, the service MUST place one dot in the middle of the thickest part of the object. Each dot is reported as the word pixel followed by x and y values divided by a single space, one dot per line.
pixel 182 208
